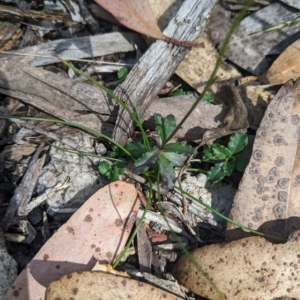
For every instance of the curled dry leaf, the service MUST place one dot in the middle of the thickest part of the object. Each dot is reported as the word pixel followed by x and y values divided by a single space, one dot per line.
pixel 138 16
pixel 247 269
pixel 98 285
pixel 236 119
pixel 97 231
pixel 268 195
pixel 285 67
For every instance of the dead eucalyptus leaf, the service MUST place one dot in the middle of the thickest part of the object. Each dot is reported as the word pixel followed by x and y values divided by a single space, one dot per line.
pixel 268 195
pixel 97 231
pixel 285 67
pixel 247 269
pixel 236 119
pixel 138 16
pixel 98 285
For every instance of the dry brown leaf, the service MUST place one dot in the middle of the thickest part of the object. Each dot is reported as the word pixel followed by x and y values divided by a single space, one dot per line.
pixel 285 67
pixel 98 285
pixel 268 195
pixel 248 269
pixel 97 231
pixel 236 119
pixel 197 66
pixel 165 10
pixel 138 16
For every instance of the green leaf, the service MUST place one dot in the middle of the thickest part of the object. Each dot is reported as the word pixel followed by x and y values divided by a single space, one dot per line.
pixel 115 151
pixel 164 127
pixel 122 73
pixel 208 98
pixel 113 176
pixel 175 158
pixel 178 92
pixel 104 168
pixel 166 171
pixel 208 153
pixel 181 92
pixel 221 152
pixel 145 161
pixel 119 166
pixel 136 148
pixel 241 163
pixel 179 148
pixel 229 166
pixel 237 142
pixel 216 173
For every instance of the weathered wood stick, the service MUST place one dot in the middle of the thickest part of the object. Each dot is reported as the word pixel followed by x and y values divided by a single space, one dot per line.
pixel 64 98
pixel 158 64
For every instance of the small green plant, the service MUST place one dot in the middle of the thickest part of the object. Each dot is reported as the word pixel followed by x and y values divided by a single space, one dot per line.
pixel 181 92
pixel 160 160
pixel 122 73
pixel 228 162
pixel 208 98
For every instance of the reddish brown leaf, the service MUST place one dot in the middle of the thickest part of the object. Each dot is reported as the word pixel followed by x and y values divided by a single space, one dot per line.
pixel 97 231
pixel 138 16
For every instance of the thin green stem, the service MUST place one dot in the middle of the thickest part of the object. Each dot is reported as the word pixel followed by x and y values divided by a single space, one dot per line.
pixel 193 170
pixel 227 219
pixel 82 127
pixel 112 95
pixel 212 77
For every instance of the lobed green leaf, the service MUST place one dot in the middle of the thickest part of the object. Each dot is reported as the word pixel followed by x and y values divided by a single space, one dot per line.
pixel 229 166
pixel 164 127
pixel 143 163
pixel 208 153
pixel 237 142
pixel 175 158
pixel 216 173
pixel 104 168
pixel 221 152
pixel 166 171
pixel 136 148
pixel 179 148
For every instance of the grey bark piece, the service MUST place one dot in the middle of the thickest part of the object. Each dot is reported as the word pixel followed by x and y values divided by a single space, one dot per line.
pixel 23 192
pixel 75 48
pixel 158 64
pixel 144 248
pixel 55 94
pixel 294 3
pixel 7 30
pixel 249 52
pixel 63 97
pixel 15 13
pixel 74 10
